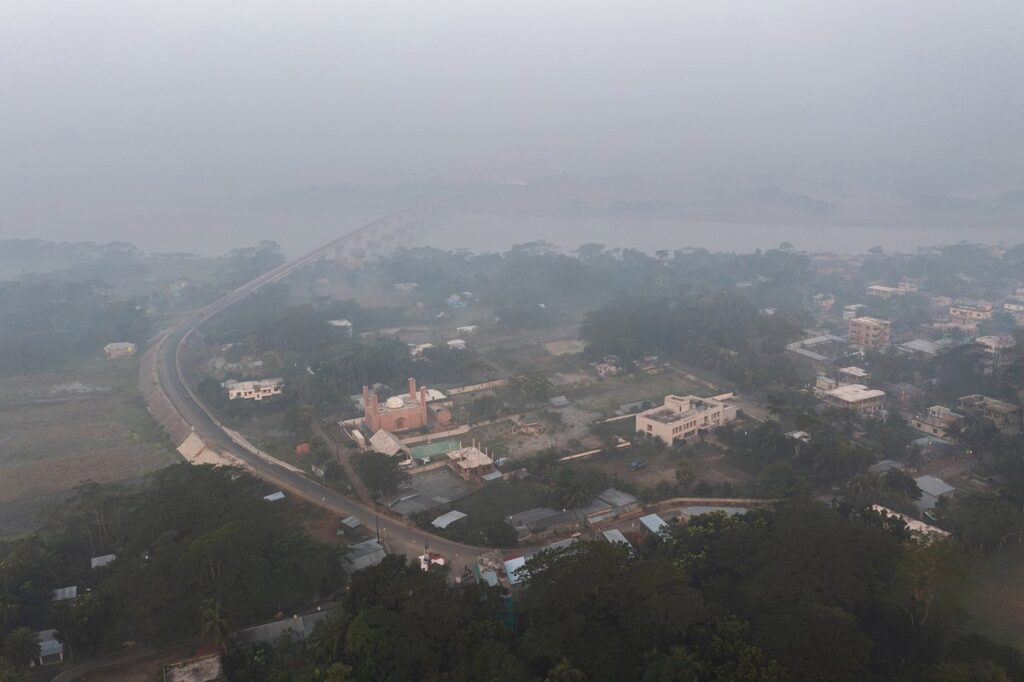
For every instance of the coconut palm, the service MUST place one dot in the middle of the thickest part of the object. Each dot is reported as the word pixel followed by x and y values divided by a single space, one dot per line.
pixel 21 646
pixel 565 672
pixel 215 628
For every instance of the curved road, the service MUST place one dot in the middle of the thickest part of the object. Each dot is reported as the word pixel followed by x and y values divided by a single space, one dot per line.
pixel 400 536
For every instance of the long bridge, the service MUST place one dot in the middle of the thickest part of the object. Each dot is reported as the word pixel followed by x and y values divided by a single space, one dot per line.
pixel 201 438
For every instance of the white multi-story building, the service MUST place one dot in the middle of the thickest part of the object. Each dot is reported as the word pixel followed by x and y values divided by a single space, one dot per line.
pixel 881 291
pixel 684 417
pixel 966 313
pixel 253 390
pixel 856 397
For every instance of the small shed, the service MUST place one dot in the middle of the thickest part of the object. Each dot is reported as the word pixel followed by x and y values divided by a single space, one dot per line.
pixel 51 650
pixel 615 536
pixel 932 490
pixel 653 523
pixel 274 497
pixel 559 401
pixel 363 555
pixel 512 570
pixel 101 561
pixel 387 443
pixel 445 520
pixel 62 593
pixel 351 522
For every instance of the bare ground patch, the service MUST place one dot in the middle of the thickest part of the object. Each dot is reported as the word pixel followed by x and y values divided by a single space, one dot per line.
pixel 51 445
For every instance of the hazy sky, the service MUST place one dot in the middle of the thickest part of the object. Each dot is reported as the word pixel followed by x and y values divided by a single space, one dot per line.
pixel 118 118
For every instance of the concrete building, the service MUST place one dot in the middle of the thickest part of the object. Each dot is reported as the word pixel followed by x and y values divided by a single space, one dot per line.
pixel 824 301
pixel 470 463
pixel 968 313
pixel 253 390
pixel 880 291
pixel 856 397
pixel 343 327
pixel 937 421
pixel 853 310
pixel 51 650
pixel 1014 305
pixel 412 410
pixel 118 350
pixel 853 375
pixel 909 285
pixel 999 412
pixel 869 332
pixel 996 344
pixel 684 417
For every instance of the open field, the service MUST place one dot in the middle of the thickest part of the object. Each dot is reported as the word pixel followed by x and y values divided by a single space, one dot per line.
pixel 995 601
pixel 607 394
pixel 59 429
pixel 708 465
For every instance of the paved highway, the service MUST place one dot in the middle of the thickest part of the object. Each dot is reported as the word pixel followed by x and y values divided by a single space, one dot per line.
pixel 400 537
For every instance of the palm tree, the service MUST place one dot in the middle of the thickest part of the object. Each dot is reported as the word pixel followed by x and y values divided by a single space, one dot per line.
pixel 571 493
pixel 565 672
pixel 215 628
pixel 21 646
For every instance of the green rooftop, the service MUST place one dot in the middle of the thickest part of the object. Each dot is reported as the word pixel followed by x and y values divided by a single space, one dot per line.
pixel 433 450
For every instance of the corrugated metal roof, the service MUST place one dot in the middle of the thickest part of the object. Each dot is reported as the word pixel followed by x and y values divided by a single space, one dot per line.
pixel 653 522
pixel 615 535
pixel 101 561
pixel 65 593
pixel 512 567
pixel 445 520
pixel 933 486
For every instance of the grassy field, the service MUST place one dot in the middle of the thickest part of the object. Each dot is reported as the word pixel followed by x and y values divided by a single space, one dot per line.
pixel 606 395
pixel 995 602
pixel 59 429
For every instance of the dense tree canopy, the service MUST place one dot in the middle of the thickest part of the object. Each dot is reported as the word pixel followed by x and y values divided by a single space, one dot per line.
pixel 188 535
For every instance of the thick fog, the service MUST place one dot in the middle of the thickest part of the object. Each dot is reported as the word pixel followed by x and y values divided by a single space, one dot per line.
pixel 198 126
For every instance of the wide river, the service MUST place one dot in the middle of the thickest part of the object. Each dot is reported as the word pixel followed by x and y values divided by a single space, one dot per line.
pixel 482 233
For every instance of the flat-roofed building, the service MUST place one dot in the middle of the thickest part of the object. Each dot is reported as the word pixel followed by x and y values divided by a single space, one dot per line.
pixel 937 421
pixel 470 463
pixel 684 417
pixel 870 332
pixel 853 375
pixel 910 285
pixel 853 310
pixel 856 397
pixel 254 390
pixel 120 349
pixel 996 344
pixel 880 291
pixel 966 313
pixel 999 412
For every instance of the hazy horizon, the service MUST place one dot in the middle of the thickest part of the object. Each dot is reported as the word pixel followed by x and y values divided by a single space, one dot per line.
pixel 192 127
